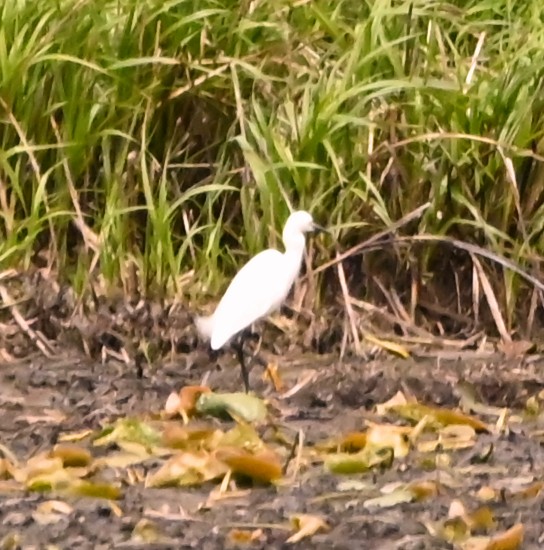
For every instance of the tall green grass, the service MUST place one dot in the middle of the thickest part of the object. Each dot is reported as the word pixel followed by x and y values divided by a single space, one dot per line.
pixel 172 137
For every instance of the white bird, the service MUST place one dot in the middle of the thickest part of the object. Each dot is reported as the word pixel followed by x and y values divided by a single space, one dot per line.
pixel 259 288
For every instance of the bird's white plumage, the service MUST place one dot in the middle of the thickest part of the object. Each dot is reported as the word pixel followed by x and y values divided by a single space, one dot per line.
pixel 260 287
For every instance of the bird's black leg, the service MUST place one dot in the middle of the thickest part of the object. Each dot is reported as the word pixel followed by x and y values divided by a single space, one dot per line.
pixel 238 347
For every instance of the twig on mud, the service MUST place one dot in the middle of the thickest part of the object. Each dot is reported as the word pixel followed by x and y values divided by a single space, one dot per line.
pixel 308 377
pixel 295 449
pixel 36 338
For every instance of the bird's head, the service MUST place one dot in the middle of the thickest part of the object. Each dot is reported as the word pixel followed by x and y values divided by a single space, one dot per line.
pixel 302 222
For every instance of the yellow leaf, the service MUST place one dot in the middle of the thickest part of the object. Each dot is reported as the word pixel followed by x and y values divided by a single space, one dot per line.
pixel 272 372
pixel 363 461
pixel 388 435
pixel 349 443
pixel 306 526
pixel 442 417
pixel 388 345
pixel 91 489
pixel 72 456
pixel 423 490
pixel 129 430
pixel 187 468
pixel 487 494
pixel 398 399
pixel 456 436
pixel 399 496
pixel 242 435
pixel 76 436
pixel 237 405
pixel 177 436
pixel 146 531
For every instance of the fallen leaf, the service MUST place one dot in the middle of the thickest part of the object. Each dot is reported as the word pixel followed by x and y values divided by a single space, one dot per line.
pixel 237 405
pixel 487 494
pixel 242 435
pixel 146 531
pixel 272 372
pixel 172 405
pixel 398 399
pixel 244 536
pixel 397 349
pixel 129 430
pixel 263 467
pixel 188 398
pixel 361 462
pixel 76 436
pixel 306 526
pixel 399 496
pixel 469 400
pixel 386 435
pixel 349 443
pixel 72 455
pixel 83 488
pixel 423 490
pixel 187 468
pixel 51 511
pixel 532 491
pixel 186 437
pixel 441 417
pixel 508 540
pixel 512 539
pixel 456 436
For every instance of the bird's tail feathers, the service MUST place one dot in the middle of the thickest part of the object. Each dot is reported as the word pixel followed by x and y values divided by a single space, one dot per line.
pixel 204 326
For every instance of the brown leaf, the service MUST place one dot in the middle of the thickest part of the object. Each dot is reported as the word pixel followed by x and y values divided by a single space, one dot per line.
pixel 263 466
pixel 353 442
pixel 188 396
pixel 423 490
pixel 241 537
pixel 512 539
pixel 508 540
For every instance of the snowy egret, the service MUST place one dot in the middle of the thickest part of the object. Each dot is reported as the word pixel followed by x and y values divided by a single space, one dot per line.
pixel 258 289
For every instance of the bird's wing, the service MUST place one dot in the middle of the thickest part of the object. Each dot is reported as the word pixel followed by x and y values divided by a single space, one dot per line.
pixel 256 290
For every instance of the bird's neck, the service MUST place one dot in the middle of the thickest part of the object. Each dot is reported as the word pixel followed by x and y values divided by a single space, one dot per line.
pixel 294 251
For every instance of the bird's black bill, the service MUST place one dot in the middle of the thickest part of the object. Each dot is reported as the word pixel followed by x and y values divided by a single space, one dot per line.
pixel 320 229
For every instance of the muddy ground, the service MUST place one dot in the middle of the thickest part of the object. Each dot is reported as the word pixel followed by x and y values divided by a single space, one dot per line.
pixel 339 397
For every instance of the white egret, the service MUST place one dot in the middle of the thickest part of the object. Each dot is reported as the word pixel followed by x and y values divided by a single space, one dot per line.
pixel 258 289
